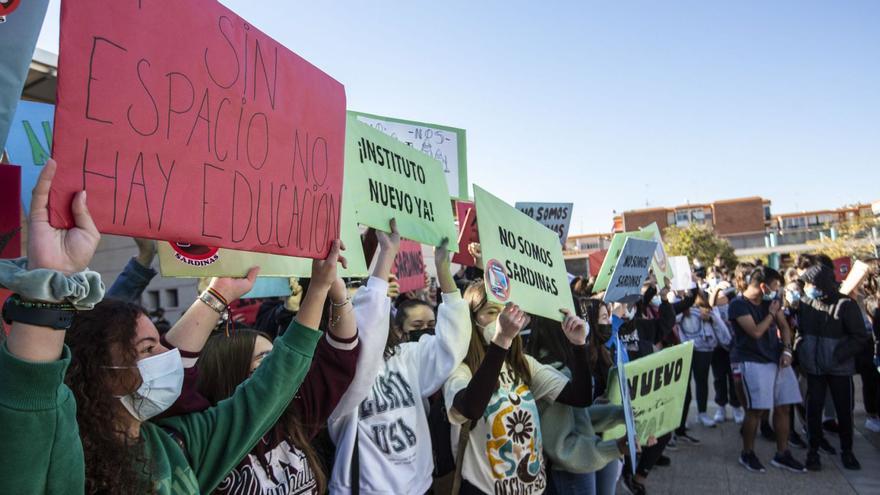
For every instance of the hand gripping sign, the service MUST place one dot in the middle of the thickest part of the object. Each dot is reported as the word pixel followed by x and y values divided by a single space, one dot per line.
pixel 184 122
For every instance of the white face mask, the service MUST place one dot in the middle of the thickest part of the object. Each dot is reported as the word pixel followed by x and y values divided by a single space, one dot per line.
pixel 656 300
pixel 488 331
pixel 630 313
pixel 162 377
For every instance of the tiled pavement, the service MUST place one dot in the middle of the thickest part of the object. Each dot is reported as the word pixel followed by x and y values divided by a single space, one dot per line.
pixel 712 468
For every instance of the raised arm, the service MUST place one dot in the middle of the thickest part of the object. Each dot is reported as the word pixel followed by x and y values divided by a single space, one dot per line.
pixel 217 439
pixel 437 355
pixel 756 330
pixel 579 391
pixel 36 407
pixel 470 402
pixel 192 330
pixel 372 312
pixel 137 274
pixel 48 248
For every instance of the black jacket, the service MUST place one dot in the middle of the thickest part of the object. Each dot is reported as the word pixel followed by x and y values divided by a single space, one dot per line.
pixel 832 332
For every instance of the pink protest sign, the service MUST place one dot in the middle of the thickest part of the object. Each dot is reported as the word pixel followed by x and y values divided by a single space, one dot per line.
pixel 185 123
pixel 468 233
pixel 409 266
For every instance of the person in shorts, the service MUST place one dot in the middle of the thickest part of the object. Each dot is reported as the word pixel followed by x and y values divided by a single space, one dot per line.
pixel 762 351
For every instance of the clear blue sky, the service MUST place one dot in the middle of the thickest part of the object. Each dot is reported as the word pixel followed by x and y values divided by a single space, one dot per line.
pixel 615 105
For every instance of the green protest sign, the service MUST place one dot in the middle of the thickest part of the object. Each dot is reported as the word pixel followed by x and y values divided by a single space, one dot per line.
pixel 657 386
pixel 660 265
pixel 607 268
pixel 523 259
pixel 393 180
pixel 187 261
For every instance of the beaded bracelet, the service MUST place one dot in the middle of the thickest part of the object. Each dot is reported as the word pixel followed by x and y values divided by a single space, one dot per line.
pixel 18 301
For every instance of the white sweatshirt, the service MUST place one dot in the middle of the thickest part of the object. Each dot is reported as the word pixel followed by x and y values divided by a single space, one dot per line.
pixel 391 424
pixel 372 312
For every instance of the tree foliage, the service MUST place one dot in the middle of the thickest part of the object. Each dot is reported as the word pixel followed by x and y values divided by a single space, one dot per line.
pixel 854 239
pixel 698 242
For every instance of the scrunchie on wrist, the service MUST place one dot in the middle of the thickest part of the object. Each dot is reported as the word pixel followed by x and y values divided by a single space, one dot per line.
pixel 83 290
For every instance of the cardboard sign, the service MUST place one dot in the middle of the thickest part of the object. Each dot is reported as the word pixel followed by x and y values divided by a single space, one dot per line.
pixel 10 211
pixel 30 143
pixel 657 385
pixel 395 181
pixel 660 265
pixel 841 268
pixel 185 260
pixel 630 271
pixel 523 260
pixel 610 261
pixel 855 277
pixel 682 278
pixel 447 145
pixel 626 401
pixel 186 123
pixel 468 233
pixel 554 216
pixel 409 266
pixel 20 32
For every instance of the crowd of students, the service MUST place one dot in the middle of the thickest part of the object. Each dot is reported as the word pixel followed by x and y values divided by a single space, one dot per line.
pixel 348 386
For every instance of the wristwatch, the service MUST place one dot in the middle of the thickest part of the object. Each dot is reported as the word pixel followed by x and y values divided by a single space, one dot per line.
pixel 55 316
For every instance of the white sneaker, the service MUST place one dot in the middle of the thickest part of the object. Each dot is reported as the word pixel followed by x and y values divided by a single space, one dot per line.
pixel 720 414
pixel 739 414
pixel 873 424
pixel 705 420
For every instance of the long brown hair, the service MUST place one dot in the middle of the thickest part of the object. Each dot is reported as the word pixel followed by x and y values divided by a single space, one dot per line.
pixel 224 363
pixel 475 295
pixel 114 462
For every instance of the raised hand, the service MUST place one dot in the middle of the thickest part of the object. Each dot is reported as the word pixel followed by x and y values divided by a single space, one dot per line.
pixel 444 269
pixel 67 251
pixel 475 250
pixel 147 250
pixel 389 242
pixel 324 271
pixel 234 288
pixel 511 321
pixel 575 329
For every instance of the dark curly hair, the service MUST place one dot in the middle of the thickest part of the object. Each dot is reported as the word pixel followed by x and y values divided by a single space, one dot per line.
pixel 115 463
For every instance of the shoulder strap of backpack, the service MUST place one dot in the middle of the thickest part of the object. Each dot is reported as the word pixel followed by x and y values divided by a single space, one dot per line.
pixel 463 437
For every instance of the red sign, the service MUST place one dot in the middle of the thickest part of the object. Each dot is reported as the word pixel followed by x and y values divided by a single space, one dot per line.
pixel 595 261
pixel 8 6
pixel 841 268
pixel 409 266
pixel 466 236
pixel 10 211
pixel 186 123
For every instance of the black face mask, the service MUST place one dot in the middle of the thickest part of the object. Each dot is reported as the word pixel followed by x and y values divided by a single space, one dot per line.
pixel 415 335
pixel 603 331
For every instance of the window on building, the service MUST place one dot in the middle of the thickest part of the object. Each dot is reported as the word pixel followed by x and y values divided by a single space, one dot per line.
pixel 151 299
pixel 171 299
pixel 767 215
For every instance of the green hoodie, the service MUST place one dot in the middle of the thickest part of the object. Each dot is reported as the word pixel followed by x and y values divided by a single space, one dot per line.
pixel 44 454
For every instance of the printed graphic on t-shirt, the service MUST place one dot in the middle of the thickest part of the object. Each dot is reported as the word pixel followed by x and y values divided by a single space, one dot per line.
pixel 284 470
pixel 386 424
pixel 513 440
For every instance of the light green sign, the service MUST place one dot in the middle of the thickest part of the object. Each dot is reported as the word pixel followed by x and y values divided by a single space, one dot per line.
pixel 176 261
pixel 522 259
pixel 607 268
pixel 657 385
pixel 448 145
pixel 660 265
pixel 393 180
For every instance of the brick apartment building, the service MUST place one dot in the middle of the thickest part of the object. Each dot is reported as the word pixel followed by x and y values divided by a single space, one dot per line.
pixel 742 221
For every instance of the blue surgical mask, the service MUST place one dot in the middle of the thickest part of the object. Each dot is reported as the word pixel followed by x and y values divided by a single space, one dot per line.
pixel 771 296
pixel 656 300
pixel 792 296
pixel 813 292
